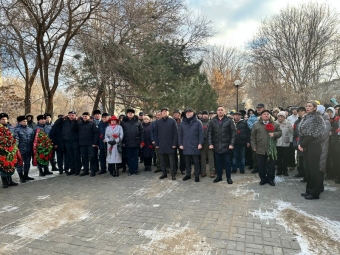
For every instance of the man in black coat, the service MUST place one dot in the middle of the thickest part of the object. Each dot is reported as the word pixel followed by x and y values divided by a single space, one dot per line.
pixel 103 124
pixel 221 137
pixel 177 117
pixel 88 139
pixel 242 140
pixel 166 141
pixel 71 141
pixel 133 139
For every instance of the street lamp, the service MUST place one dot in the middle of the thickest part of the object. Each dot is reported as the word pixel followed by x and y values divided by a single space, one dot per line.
pixel 237 83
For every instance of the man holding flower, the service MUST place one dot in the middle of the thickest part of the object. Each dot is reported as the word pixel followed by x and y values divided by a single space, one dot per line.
pixel 263 141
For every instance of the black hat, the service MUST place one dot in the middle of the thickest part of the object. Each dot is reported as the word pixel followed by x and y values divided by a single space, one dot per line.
pixel 265 111
pixel 243 112
pixel 21 118
pixel 60 116
pixel 211 112
pixel 188 110
pixel 29 115
pixel 335 106
pixel 301 108
pixel 41 117
pixel 237 113
pixel 231 112
pixel 150 116
pixel 3 115
pixel 141 114
pixel 205 112
pixel 86 113
pixel 260 105
pixel 96 112
pixel 176 111
pixel 165 109
pixel 72 112
pixel 122 115
pixel 130 110
pixel 105 114
pixel 48 114
pixel 199 113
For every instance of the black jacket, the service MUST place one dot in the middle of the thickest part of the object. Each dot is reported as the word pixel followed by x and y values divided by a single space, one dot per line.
pixel 133 132
pixel 57 137
pixel 242 133
pixel 88 133
pixel 190 135
pixel 221 135
pixel 166 135
pixel 69 129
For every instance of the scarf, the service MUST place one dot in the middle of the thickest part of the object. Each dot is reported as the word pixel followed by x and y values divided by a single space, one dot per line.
pixel 313 125
pixel 113 126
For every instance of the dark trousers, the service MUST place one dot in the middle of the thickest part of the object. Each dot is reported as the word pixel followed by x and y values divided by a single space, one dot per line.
pixel 164 158
pixel 63 163
pixel 223 161
pixel 249 157
pixel 95 159
pixel 147 161
pixel 301 165
pixel 87 157
pixel 132 159
pixel 314 176
pixel 254 157
pixel 239 157
pixel 102 159
pixel 282 159
pixel 334 154
pixel 26 160
pixel 52 160
pixel 73 155
pixel 196 160
pixel 291 156
pixel 266 167
pixel 182 158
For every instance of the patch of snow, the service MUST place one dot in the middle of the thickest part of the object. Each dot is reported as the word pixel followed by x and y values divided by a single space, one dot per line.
pixel 43 197
pixel 8 208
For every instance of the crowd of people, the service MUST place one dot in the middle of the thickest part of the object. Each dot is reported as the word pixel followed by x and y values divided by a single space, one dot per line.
pixel 269 142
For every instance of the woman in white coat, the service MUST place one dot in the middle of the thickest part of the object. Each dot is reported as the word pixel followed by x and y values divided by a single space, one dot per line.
pixel 113 135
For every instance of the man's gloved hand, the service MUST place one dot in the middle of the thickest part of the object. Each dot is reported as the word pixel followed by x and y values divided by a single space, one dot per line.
pixel 113 142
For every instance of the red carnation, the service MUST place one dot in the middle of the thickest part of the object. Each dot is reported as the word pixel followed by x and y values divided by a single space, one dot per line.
pixel 41 156
pixel 270 127
pixel 115 136
pixel 238 131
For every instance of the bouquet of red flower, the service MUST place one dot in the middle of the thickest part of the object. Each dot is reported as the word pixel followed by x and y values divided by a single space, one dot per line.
pixel 115 136
pixel 272 152
pixel 42 147
pixel 8 151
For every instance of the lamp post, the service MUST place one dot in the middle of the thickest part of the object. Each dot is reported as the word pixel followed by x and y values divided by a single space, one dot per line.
pixel 237 83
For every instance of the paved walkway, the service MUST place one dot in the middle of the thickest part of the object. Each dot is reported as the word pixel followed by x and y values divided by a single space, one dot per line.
pixel 143 215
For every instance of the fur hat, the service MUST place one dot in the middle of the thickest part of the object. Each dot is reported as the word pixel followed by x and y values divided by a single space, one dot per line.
pixel 86 113
pixel 3 115
pixel 321 109
pixel 282 113
pixel 165 109
pixel 47 115
pixel 205 113
pixel 21 118
pixel 130 110
pixel 96 112
pixel 265 111
pixel 105 114
pixel 41 117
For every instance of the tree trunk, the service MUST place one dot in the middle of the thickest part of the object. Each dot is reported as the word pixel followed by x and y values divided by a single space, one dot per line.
pixel 27 99
pixel 49 103
pixel 97 100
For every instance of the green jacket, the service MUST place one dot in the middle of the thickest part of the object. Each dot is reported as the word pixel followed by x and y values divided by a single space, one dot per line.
pixel 260 136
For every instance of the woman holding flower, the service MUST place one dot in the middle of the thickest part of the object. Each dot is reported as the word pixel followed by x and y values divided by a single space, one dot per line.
pixel 113 136
pixel 264 134
pixel 311 129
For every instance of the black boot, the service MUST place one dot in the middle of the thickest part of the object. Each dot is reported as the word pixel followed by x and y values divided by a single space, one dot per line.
pixel 61 171
pixel 22 178
pixel 163 176
pixel 41 173
pixel 229 180
pixel 11 182
pixel 110 168
pixel 114 174
pixel 46 172
pixel 27 178
pixel 93 173
pixel 85 172
pixel 54 167
pixel 69 172
pixel 4 182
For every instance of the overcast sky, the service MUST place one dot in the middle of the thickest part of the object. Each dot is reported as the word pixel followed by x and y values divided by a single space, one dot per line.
pixel 236 21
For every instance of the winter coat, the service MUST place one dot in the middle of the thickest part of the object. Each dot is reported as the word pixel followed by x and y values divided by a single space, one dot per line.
pixel 166 135
pixel 102 128
pixel 147 148
pixel 69 129
pixel 45 128
pixel 296 136
pixel 324 143
pixel 190 135
pixel 25 136
pixel 31 124
pixel 88 133
pixel 252 120
pixel 287 133
pixel 260 136
pixel 242 136
pixel 56 137
pixel 292 118
pixel 133 132
pixel 114 156
pixel 152 131
pixel 205 125
pixel 221 135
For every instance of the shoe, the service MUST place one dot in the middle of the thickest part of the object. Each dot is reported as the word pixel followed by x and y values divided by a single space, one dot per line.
pixel 271 183
pixel 255 171
pixel 41 172
pixel 203 175
pixel 285 174
pixel 137 173
pixel 54 167
pixel 250 167
pixel 163 176
pixel 11 182
pixel 262 183
pixel 46 172
pixel 4 182
pixel 93 173
pixel 304 194
pixel 218 179
pixel 27 178
pixel 22 178
pixel 279 173
pixel 197 178
pixel 242 172
pixel 299 175
pixel 187 177
pixel 129 174
pixel 311 197
pixel 84 173
pixel 229 181
pixel 76 173
pixel 157 171
pixel 69 172
pixel 291 168
pixel 212 175
pixel 173 177
pixel 234 171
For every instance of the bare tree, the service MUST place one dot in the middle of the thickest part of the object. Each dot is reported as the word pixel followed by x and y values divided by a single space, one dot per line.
pixel 301 44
